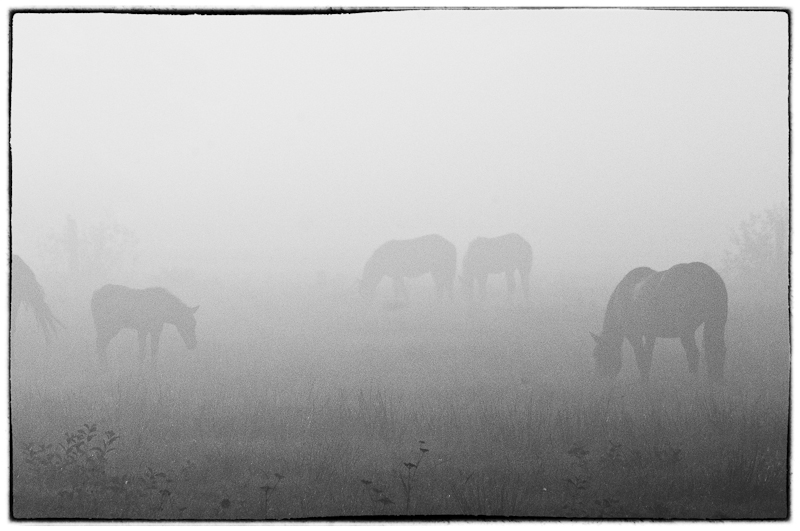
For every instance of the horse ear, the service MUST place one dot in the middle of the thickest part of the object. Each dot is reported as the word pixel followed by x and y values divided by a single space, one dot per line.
pixel 595 337
pixel 194 309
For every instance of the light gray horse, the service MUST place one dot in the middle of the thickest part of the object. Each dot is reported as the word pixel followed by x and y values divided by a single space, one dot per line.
pixel 398 259
pixel 503 254
pixel 144 310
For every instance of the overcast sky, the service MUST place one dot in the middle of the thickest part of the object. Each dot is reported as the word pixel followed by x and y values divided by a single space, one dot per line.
pixel 610 139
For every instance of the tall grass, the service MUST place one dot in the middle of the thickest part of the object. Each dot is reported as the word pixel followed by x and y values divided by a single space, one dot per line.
pixel 326 417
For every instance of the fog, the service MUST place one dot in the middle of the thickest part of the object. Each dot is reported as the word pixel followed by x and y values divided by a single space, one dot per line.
pixel 252 165
pixel 609 139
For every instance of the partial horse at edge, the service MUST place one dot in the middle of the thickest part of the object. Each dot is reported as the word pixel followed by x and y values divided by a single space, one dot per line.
pixel 25 288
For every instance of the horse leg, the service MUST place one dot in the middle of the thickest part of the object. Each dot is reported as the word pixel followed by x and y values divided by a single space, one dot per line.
pixel 692 354
pixel 441 285
pixel 447 288
pixel 649 346
pixel 400 288
pixel 155 336
pixel 102 344
pixel 714 347
pixel 510 284
pixel 483 278
pixel 15 302
pixel 142 344
pixel 643 349
pixel 523 280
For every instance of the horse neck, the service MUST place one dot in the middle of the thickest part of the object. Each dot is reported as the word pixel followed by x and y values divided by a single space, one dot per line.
pixel 613 338
pixel 373 273
pixel 612 326
pixel 171 308
pixel 175 312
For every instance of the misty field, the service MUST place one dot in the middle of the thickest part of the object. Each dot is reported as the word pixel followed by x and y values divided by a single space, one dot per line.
pixel 303 406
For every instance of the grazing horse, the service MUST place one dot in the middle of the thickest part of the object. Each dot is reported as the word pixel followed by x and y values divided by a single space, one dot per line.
pixel 504 254
pixel 25 288
pixel 669 304
pixel 398 259
pixel 144 310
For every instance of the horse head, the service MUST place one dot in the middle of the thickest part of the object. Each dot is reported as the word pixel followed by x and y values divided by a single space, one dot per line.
pixel 186 327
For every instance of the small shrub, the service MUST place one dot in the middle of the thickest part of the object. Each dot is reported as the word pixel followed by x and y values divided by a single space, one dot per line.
pixel 407 478
pixel 73 479
pixel 268 490
pixel 376 494
pixel 77 462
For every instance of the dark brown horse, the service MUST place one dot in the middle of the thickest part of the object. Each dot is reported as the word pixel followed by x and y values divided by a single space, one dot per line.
pixel 503 254
pixel 398 259
pixel 25 288
pixel 648 304
pixel 144 310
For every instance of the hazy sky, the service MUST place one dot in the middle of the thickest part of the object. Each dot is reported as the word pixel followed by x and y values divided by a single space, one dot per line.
pixel 610 139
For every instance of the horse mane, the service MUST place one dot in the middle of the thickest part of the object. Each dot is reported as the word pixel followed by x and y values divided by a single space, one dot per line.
pixel 162 292
pixel 373 265
pixel 23 277
pixel 621 294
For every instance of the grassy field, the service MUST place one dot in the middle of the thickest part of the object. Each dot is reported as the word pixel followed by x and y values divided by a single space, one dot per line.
pixel 316 409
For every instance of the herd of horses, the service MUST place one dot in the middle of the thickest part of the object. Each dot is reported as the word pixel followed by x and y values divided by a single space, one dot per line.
pixel 401 259
pixel 645 305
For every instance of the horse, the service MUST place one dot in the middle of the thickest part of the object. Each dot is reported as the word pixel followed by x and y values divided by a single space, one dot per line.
pixel 503 254
pixel 25 288
pixel 144 310
pixel 648 304
pixel 398 259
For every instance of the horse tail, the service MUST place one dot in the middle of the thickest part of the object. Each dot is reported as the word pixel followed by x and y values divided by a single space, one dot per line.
pixel 527 256
pixel 714 328
pixel 452 267
pixel 526 260
pixel 25 287
pixel 48 322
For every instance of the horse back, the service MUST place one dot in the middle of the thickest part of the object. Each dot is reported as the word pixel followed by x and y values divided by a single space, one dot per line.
pixel 115 307
pixel 497 255
pixel 415 257
pixel 674 302
pixel 619 306
pixel 695 288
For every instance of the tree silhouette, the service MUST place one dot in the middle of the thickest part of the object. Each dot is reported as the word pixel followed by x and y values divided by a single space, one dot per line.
pixel 760 261
pixel 98 252
pixel 757 274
